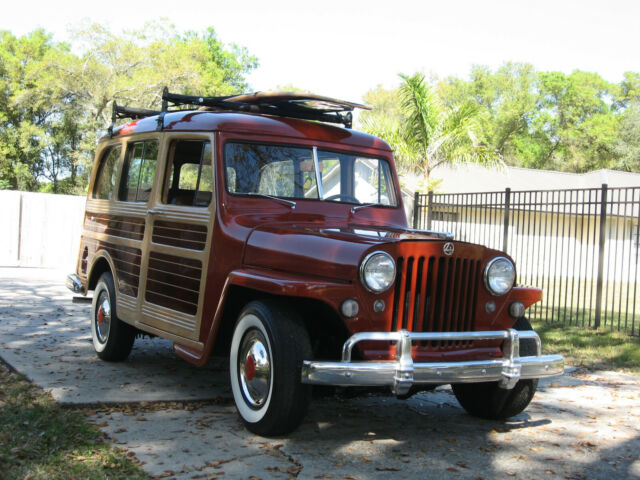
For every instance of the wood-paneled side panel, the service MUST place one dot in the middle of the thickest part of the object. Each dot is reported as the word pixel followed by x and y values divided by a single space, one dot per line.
pixel 126 261
pixel 184 235
pixel 173 282
pixel 115 225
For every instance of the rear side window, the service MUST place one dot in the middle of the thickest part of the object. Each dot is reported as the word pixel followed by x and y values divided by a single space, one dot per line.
pixel 190 173
pixel 108 171
pixel 138 172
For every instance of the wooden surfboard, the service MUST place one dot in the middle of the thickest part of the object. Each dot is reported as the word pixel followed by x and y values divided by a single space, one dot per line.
pixel 299 99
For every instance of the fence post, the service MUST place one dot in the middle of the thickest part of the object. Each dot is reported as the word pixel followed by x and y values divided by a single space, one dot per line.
pixel 416 208
pixel 429 210
pixel 507 215
pixel 601 242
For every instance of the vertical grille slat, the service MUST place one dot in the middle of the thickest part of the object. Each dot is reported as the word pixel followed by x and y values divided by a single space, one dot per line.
pixel 457 295
pixel 464 294
pixel 449 286
pixel 418 306
pixel 429 306
pixel 439 297
pixel 436 294
pixel 408 292
pixel 396 298
pixel 472 284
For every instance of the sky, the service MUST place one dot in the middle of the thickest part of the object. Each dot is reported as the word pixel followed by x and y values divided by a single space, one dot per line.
pixel 344 48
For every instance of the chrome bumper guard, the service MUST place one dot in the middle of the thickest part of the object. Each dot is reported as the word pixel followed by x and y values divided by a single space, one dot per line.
pixel 73 283
pixel 402 373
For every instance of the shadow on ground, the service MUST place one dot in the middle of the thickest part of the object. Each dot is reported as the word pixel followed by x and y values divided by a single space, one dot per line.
pixel 178 419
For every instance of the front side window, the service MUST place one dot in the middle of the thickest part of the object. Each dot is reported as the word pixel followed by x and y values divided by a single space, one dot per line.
pixel 294 173
pixel 190 180
pixel 106 180
pixel 139 171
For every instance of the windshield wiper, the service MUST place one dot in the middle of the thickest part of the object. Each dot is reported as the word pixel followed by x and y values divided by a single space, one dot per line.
pixel 291 203
pixel 355 208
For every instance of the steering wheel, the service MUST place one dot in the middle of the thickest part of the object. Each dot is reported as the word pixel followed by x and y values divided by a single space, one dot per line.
pixel 343 197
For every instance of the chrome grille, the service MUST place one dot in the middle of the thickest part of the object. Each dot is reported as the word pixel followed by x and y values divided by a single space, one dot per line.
pixel 436 294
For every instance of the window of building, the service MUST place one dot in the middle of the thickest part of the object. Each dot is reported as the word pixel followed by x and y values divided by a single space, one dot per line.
pixel 444 216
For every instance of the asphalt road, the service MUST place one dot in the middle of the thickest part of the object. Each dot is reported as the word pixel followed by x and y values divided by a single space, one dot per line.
pixel 180 422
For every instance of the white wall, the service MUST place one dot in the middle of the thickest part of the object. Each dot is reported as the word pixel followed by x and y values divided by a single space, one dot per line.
pixel 40 229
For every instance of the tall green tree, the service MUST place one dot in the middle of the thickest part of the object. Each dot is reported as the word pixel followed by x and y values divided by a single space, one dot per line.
pixel 54 104
pixel 30 103
pixel 627 144
pixel 132 69
pixel 575 113
pixel 429 134
pixel 506 100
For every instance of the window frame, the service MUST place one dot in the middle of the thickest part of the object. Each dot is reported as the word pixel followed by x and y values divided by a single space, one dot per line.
pixel 129 152
pixel 168 159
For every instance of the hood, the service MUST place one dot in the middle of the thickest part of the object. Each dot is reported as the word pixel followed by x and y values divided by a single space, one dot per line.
pixel 326 251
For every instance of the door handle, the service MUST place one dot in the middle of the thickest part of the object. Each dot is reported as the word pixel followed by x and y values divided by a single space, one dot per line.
pixel 152 211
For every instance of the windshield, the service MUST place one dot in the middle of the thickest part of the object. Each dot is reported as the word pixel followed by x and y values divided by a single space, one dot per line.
pixel 308 173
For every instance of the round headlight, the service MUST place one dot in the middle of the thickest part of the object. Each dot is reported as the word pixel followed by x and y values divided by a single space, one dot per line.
pixel 499 276
pixel 377 272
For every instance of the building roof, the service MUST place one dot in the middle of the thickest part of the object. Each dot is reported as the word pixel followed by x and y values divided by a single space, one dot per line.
pixel 477 178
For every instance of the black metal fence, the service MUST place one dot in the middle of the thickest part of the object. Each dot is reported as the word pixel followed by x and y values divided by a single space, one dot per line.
pixel 580 246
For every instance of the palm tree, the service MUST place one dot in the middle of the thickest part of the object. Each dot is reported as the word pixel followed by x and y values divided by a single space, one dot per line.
pixel 428 135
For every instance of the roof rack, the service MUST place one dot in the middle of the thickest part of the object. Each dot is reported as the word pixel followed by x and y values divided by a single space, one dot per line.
pixel 119 112
pixel 282 104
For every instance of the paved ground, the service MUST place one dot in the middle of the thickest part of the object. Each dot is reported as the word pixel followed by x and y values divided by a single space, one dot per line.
pixel 180 422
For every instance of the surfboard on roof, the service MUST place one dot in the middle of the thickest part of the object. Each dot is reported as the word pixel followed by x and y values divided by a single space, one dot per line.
pixel 306 100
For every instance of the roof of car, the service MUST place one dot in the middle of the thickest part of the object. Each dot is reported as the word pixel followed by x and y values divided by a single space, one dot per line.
pixel 251 124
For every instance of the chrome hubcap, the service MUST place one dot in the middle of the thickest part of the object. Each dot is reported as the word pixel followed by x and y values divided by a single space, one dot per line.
pixel 103 318
pixel 254 368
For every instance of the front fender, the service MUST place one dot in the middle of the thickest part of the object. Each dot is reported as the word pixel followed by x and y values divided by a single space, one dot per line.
pixel 527 295
pixel 272 282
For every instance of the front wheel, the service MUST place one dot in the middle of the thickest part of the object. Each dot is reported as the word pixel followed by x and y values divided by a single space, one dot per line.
pixel 488 400
pixel 267 350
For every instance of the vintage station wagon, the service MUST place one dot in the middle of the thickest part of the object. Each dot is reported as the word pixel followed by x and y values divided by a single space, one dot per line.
pixel 249 227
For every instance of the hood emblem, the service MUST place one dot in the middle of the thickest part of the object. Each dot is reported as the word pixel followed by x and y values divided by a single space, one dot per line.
pixel 448 248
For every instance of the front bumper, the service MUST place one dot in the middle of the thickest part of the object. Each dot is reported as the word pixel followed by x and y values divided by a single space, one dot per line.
pixel 402 373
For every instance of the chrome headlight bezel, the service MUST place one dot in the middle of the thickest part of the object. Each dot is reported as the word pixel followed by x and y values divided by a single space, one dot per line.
pixel 490 283
pixel 377 287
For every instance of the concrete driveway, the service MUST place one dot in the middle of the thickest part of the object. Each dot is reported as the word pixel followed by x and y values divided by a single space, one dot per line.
pixel 180 422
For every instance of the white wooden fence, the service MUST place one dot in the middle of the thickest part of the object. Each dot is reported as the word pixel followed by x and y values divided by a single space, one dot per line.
pixel 40 229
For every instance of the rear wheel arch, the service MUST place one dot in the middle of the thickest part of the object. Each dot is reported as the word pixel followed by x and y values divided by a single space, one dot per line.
pixel 102 264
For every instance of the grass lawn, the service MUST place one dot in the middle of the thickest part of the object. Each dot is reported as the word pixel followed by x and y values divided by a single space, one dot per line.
pixel 601 349
pixel 41 440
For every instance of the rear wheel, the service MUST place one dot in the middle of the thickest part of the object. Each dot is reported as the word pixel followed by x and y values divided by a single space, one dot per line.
pixel 112 338
pixel 267 350
pixel 488 400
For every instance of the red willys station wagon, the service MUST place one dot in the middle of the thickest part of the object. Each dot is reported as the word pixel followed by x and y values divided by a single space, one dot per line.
pixel 250 227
